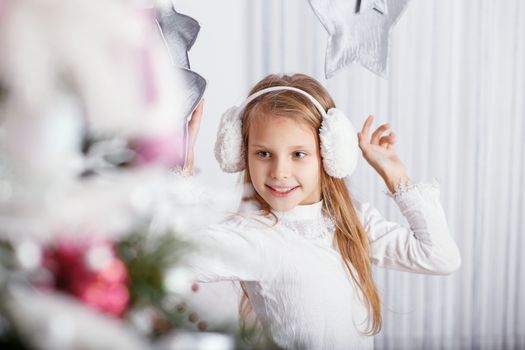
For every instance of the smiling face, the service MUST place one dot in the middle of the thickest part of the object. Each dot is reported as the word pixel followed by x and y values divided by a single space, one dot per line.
pixel 284 162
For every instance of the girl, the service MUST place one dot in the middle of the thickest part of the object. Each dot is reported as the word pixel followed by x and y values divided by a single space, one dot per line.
pixel 300 245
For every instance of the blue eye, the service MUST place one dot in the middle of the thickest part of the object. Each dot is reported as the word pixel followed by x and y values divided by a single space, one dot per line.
pixel 263 154
pixel 299 154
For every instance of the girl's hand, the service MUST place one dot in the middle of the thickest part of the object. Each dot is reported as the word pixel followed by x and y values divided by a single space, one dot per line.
pixel 379 152
pixel 193 131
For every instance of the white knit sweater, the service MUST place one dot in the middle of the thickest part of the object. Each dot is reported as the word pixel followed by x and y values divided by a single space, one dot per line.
pixel 296 280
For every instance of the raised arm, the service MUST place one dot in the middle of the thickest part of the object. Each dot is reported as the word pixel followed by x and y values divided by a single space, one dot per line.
pixel 193 131
pixel 425 246
pixel 226 251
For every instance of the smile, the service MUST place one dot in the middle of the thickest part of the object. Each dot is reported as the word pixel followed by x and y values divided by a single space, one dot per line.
pixel 282 191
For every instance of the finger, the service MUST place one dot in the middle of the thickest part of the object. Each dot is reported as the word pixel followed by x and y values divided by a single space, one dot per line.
pixel 384 140
pixel 360 139
pixel 366 127
pixel 378 132
pixel 390 138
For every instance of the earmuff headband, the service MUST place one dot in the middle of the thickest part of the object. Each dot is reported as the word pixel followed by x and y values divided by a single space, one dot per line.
pixel 280 88
pixel 338 140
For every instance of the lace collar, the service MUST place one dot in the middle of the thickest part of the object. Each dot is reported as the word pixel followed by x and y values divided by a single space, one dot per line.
pixel 302 212
pixel 308 221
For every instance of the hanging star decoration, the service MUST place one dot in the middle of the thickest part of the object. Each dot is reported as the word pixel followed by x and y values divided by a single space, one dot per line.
pixel 179 33
pixel 378 5
pixel 359 31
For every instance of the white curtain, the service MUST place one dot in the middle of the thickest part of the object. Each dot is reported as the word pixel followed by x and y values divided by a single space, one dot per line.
pixel 455 97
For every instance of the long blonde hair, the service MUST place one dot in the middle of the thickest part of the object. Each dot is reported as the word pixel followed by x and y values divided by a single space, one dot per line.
pixel 350 234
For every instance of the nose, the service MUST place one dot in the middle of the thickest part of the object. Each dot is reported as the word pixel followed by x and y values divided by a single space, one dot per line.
pixel 281 168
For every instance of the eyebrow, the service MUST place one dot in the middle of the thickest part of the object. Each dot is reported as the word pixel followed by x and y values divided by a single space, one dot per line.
pixel 294 147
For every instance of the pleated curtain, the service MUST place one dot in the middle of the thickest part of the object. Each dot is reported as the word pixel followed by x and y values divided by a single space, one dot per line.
pixel 455 97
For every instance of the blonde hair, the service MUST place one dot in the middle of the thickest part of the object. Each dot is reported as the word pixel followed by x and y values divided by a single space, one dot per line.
pixel 350 234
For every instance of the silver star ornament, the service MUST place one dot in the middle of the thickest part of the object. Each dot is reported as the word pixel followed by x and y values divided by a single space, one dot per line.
pixel 359 31
pixel 179 33
pixel 378 5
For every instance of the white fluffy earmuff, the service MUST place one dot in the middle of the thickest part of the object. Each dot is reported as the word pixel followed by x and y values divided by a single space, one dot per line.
pixel 229 150
pixel 339 145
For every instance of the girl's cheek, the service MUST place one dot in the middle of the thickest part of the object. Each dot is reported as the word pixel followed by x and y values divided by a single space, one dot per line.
pixel 309 163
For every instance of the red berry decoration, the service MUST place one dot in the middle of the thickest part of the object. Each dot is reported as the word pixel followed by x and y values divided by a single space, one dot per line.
pixel 193 317
pixel 202 325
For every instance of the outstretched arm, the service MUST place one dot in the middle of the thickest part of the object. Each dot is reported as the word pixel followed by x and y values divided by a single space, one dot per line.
pixel 228 251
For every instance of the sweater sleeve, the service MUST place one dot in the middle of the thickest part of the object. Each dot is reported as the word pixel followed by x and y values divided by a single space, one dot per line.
pixel 425 246
pixel 228 251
